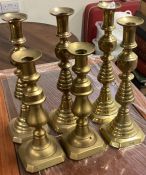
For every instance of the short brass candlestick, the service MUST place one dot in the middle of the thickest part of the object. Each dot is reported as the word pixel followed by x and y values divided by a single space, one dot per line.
pixel 123 131
pixel 105 108
pixel 62 119
pixel 43 150
pixel 18 127
pixel 83 141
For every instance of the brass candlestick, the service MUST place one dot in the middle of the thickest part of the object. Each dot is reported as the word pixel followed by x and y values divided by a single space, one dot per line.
pixel 62 119
pixel 123 131
pixel 18 127
pixel 43 150
pixel 83 141
pixel 105 108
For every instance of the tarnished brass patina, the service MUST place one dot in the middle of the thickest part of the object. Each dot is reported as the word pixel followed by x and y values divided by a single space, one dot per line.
pixel 42 150
pixel 105 108
pixel 18 127
pixel 62 119
pixel 83 141
pixel 123 131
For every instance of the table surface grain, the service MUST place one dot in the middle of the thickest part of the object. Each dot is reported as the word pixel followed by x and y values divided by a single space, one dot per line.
pixel 38 36
pixel 128 161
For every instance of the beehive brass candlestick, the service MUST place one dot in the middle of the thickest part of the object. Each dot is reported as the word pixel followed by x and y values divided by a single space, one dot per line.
pixel 18 127
pixel 62 119
pixel 83 141
pixel 43 150
pixel 105 108
pixel 123 131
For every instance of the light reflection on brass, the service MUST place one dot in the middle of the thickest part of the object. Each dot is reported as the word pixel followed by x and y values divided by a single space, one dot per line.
pixel 18 127
pixel 83 141
pixel 62 119
pixel 105 108
pixel 42 150
pixel 123 131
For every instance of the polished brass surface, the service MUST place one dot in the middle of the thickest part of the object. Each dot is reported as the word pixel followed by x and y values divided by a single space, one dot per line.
pixel 62 119
pixel 83 141
pixel 18 127
pixel 105 107
pixel 42 150
pixel 15 23
pixel 123 131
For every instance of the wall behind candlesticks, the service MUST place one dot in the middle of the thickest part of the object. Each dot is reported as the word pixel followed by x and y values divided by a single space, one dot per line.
pixel 38 11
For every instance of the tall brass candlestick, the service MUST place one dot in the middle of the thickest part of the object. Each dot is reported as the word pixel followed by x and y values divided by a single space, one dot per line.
pixel 18 127
pixel 105 108
pixel 83 141
pixel 42 150
pixel 62 119
pixel 123 131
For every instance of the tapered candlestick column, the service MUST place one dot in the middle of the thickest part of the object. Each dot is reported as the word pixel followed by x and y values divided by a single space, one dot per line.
pixel 123 131
pixel 18 127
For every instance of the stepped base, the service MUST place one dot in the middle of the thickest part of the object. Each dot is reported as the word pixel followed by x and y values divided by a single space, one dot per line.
pixel 124 140
pixel 104 112
pixel 61 123
pixel 35 160
pixel 19 135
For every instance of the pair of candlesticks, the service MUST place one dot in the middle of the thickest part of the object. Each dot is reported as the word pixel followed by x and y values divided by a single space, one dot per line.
pixel 71 119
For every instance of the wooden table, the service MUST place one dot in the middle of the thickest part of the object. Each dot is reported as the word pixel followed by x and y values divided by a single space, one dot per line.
pixel 128 161
pixel 39 36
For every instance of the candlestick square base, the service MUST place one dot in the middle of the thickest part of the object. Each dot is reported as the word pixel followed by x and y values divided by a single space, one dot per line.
pixel 77 153
pixel 35 160
pixel 123 139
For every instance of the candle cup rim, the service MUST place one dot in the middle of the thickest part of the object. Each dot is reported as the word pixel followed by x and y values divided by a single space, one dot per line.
pixel 130 21
pixel 81 48
pixel 106 7
pixel 14 16
pixel 61 11
pixel 26 55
